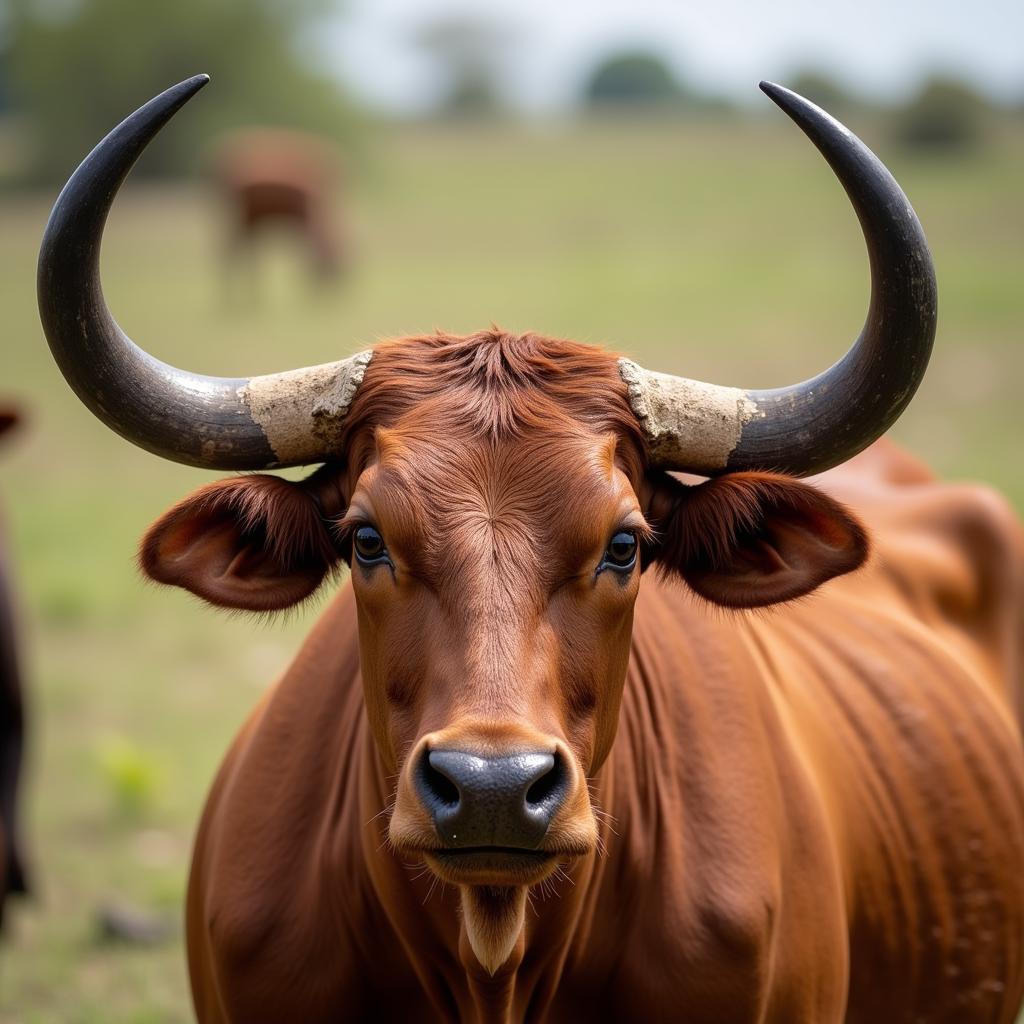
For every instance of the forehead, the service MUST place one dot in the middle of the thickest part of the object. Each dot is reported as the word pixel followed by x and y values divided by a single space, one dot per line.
pixel 496 388
pixel 492 444
pixel 427 462
pixel 442 495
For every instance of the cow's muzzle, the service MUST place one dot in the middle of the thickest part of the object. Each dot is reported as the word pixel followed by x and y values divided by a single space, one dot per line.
pixel 483 801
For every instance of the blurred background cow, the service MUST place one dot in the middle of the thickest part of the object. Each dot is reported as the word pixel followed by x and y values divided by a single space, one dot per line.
pixel 596 171
pixel 276 179
pixel 13 875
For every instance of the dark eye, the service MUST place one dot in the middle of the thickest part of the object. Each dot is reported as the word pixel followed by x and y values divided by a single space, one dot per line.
pixel 621 553
pixel 369 545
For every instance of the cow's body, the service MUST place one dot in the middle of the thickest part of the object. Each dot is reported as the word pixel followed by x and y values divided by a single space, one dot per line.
pixel 817 814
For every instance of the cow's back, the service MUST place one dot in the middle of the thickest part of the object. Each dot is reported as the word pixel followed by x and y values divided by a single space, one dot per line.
pixel 932 798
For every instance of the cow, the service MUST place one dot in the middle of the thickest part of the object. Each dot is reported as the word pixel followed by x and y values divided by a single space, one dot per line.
pixel 272 177
pixel 13 874
pixel 504 779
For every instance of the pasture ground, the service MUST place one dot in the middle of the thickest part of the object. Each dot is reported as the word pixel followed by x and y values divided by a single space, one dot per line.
pixel 722 252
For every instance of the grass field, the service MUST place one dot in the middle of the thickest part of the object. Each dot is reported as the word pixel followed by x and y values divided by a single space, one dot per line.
pixel 723 253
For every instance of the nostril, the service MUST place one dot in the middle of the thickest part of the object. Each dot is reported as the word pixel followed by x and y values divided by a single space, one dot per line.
pixel 507 800
pixel 550 787
pixel 437 785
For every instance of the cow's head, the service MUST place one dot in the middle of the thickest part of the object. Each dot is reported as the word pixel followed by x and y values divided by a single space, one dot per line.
pixel 497 498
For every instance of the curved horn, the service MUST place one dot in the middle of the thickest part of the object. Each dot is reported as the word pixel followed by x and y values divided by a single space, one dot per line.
pixel 282 419
pixel 806 428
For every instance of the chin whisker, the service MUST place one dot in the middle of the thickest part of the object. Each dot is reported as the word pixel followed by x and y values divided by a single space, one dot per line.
pixel 421 869
pixel 387 809
pixel 430 891
pixel 530 903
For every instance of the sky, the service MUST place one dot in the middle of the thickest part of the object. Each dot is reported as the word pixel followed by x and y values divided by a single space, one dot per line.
pixel 882 48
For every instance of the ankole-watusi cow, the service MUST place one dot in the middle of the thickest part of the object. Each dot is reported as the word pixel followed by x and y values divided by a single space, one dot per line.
pixel 12 722
pixel 640 807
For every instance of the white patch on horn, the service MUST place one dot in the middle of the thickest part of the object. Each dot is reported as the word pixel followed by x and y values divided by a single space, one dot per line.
pixel 689 424
pixel 494 919
pixel 302 411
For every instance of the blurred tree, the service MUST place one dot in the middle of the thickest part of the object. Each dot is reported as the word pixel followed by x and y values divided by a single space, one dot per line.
pixel 947 114
pixel 633 78
pixel 5 90
pixel 471 51
pixel 78 66
pixel 5 59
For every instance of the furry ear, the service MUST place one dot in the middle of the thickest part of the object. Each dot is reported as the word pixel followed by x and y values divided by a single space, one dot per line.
pixel 252 542
pixel 747 540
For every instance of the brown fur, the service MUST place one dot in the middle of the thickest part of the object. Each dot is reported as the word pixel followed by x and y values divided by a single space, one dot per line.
pixel 790 796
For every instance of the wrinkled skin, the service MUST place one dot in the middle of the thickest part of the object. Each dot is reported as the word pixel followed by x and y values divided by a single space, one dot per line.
pixel 814 815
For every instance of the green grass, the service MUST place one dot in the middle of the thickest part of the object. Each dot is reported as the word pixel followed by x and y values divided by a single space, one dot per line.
pixel 724 253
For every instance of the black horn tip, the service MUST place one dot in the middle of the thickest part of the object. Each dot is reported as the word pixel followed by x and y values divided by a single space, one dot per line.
pixel 814 122
pixel 184 91
pixel 169 102
pixel 791 102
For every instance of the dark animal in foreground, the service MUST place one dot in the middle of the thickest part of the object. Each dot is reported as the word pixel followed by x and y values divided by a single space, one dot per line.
pixel 12 725
pixel 275 178
pixel 639 807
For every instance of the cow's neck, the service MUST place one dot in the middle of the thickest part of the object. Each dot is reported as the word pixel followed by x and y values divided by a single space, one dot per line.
pixel 427 920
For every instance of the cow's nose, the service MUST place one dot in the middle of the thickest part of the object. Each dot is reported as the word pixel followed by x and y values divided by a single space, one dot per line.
pixel 492 801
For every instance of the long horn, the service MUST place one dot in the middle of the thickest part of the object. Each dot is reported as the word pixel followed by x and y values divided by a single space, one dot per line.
pixel 807 428
pixel 282 419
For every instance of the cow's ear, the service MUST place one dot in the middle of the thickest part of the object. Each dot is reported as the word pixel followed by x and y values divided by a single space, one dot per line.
pixel 746 540
pixel 257 543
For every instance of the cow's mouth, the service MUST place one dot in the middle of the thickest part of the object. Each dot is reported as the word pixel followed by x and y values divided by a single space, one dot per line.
pixel 490 865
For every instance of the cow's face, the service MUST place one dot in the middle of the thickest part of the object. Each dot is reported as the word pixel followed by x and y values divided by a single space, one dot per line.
pixel 497 515
pixel 495 582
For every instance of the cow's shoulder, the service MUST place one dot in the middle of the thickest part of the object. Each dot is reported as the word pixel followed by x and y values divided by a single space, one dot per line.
pixel 708 793
pixel 279 899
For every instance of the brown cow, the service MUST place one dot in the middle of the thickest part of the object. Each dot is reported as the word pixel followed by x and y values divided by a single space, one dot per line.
pixel 12 728
pixel 270 177
pixel 638 806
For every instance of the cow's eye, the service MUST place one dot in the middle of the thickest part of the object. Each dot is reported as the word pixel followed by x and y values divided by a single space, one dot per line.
pixel 621 552
pixel 369 545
